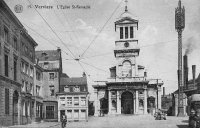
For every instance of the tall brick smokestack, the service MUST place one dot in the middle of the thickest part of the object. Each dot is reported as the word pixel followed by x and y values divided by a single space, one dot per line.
pixel 194 73
pixel 163 91
pixel 185 70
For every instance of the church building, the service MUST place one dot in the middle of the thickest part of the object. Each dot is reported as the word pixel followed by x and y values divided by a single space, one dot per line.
pixel 128 90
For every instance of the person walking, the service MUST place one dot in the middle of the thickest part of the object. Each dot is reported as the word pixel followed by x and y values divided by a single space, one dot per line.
pixel 63 120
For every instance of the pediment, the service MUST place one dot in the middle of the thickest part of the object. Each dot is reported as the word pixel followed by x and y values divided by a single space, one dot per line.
pixel 126 20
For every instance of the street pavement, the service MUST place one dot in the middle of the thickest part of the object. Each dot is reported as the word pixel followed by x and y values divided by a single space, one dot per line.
pixel 120 121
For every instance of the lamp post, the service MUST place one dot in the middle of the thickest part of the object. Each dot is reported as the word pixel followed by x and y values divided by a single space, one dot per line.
pixel 179 26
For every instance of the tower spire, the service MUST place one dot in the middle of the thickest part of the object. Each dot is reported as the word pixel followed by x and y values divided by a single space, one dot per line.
pixel 126 8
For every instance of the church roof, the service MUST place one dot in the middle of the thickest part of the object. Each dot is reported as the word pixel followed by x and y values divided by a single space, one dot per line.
pixel 127 14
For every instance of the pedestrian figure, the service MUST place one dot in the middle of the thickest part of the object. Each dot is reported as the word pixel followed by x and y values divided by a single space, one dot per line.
pixel 64 120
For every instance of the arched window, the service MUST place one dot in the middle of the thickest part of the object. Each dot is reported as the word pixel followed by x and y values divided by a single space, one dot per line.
pixel 126 69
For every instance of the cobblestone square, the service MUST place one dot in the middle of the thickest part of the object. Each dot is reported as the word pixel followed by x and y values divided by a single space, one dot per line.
pixel 121 121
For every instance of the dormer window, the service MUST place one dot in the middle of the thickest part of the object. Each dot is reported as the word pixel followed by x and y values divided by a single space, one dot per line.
pixel 121 33
pixel 66 89
pixel 76 89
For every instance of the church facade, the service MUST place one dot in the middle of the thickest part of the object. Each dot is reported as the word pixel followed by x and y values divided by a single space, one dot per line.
pixel 128 90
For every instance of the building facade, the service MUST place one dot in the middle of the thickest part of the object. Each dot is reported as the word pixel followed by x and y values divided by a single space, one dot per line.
pixel 38 92
pixel 128 91
pixel 51 63
pixel 73 99
pixel 17 52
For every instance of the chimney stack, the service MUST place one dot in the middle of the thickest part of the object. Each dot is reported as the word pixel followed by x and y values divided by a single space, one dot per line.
pixel 185 71
pixel 194 73
pixel 145 74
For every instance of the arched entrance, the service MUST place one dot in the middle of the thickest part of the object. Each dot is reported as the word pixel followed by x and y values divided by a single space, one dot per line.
pixel 15 107
pixel 104 105
pixel 127 103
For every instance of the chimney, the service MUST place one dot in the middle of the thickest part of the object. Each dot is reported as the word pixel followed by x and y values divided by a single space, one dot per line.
pixel 145 74
pixel 163 91
pixel 58 49
pixel 194 73
pixel 185 71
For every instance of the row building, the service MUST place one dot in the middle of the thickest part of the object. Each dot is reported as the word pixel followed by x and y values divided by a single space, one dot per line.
pixel 17 57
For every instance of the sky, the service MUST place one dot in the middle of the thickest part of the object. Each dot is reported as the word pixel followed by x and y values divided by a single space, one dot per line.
pixel 88 35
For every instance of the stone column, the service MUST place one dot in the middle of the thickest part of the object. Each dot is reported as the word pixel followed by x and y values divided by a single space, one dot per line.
pixel 109 102
pixel 134 105
pixel 118 103
pixel 159 97
pixel 136 102
pixel 96 113
pixel 19 110
pixel 145 101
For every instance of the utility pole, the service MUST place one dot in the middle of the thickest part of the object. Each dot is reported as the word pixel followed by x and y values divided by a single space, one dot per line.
pixel 179 26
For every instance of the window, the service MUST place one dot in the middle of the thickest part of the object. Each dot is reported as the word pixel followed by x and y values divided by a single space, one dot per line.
pixel 76 89
pixel 66 89
pixel 23 86
pixel 38 76
pixel 83 114
pixel 31 54
pixel 52 90
pixel 114 104
pixel 22 67
pixel 15 69
pixel 76 101
pixel 31 71
pixel 6 65
pixel 6 101
pixel 15 43
pixel 26 69
pixel 62 101
pixel 26 87
pixel 69 114
pixel 83 101
pixel 37 90
pixel 69 101
pixel 22 48
pixel 131 32
pixel 76 114
pixel 6 36
pixel 51 76
pixel 26 50
pixel 141 103
pixel 126 69
pixel 121 33
pixel 46 65
pixel 126 32
pixel 31 88
pixel 24 109
pixel 50 112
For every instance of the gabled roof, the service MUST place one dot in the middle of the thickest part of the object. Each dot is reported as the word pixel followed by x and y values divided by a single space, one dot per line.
pixel 73 81
pixel 48 55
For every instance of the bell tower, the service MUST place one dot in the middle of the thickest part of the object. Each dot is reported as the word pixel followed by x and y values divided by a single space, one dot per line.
pixel 126 44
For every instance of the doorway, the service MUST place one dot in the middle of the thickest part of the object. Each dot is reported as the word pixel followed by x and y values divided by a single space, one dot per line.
pixel 127 103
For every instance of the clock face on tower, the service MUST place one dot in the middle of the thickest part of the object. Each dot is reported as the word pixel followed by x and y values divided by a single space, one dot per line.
pixel 126 44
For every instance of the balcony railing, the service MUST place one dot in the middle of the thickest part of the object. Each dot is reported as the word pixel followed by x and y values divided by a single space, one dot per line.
pixel 127 79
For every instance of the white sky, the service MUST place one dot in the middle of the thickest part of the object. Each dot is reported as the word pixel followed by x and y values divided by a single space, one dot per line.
pixel 78 27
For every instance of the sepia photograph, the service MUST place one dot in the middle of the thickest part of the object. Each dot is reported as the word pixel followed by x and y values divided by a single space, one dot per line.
pixel 99 63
